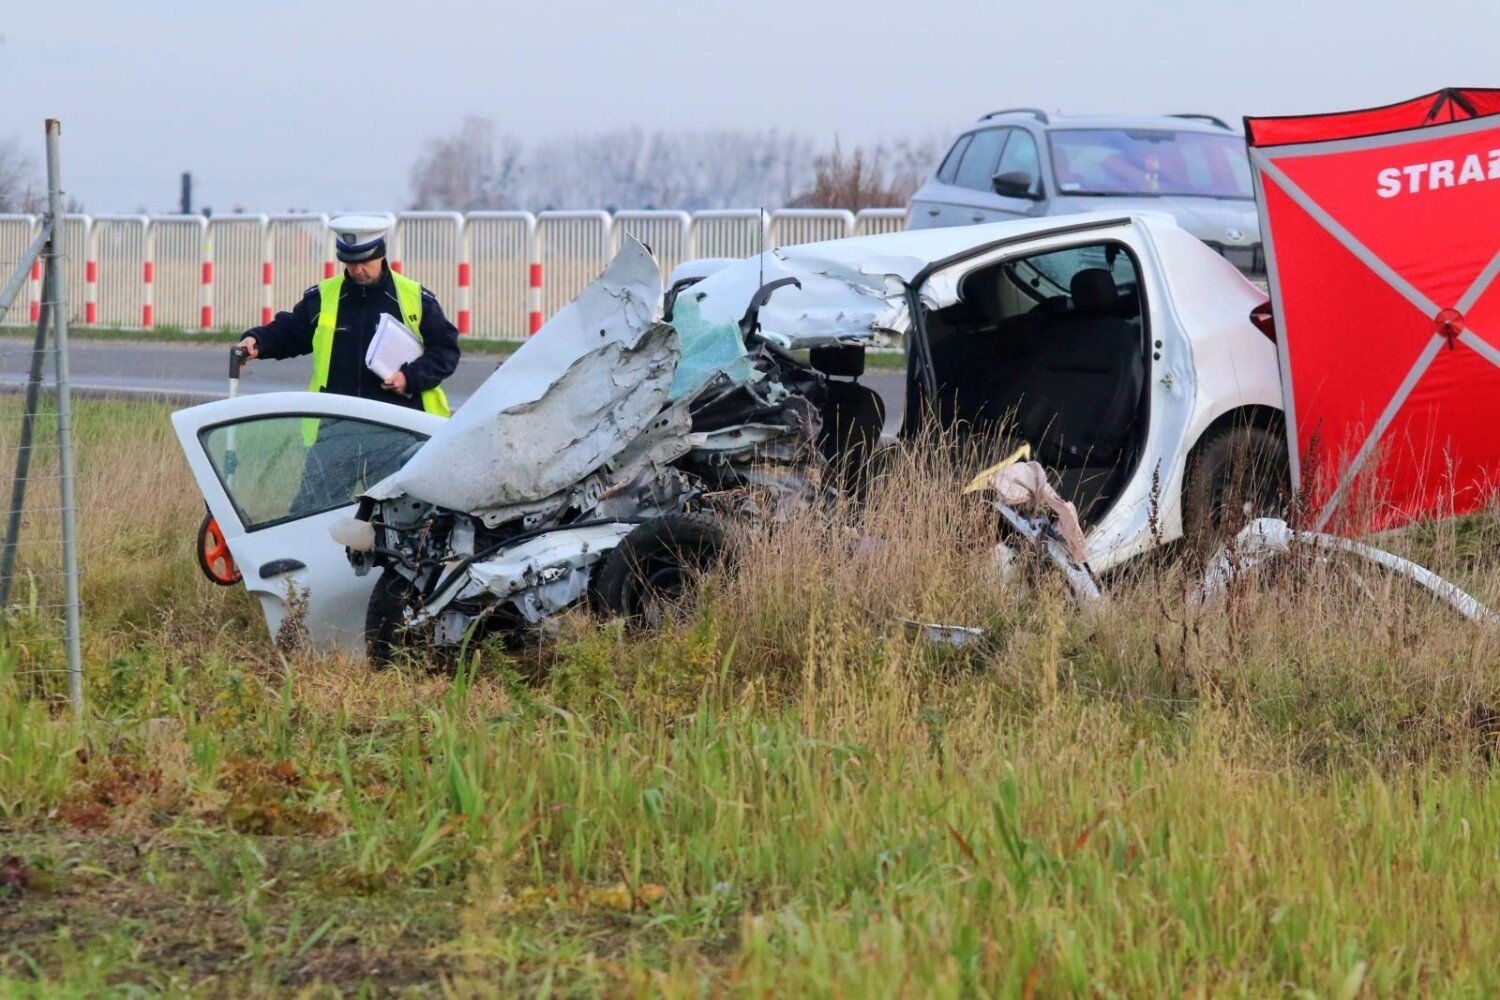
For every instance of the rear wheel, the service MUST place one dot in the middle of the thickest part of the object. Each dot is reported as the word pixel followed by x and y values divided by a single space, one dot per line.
pixel 653 566
pixel 1234 476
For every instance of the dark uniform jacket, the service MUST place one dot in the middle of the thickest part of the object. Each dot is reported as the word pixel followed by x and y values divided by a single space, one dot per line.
pixel 290 334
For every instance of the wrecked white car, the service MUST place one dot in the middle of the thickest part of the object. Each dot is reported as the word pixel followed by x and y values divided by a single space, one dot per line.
pixel 598 462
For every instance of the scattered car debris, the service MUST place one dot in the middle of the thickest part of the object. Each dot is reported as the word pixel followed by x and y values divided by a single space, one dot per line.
pixel 956 636
pixel 1265 539
pixel 1049 523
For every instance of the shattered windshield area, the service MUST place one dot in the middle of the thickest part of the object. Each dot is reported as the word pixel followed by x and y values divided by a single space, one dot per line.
pixel 1150 163
pixel 708 349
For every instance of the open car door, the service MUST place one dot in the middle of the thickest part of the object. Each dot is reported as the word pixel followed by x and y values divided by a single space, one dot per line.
pixel 278 470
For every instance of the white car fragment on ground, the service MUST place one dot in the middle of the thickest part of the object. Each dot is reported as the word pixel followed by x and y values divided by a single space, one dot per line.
pixel 597 462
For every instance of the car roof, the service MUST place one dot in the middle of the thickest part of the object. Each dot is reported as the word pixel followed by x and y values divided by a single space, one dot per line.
pixel 1055 122
pixel 927 246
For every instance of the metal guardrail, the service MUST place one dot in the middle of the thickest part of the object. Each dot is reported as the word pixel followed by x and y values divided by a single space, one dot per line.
pixel 498 274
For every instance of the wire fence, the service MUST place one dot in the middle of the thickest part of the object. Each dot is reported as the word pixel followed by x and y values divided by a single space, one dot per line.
pixel 498 274
pixel 35 608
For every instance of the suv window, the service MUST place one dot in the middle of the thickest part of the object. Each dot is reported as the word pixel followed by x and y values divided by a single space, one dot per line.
pixel 977 171
pixel 1117 161
pixel 1020 154
pixel 950 164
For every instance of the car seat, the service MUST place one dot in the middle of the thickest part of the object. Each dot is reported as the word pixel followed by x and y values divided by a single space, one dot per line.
pixel 853 415
pixel 1080 402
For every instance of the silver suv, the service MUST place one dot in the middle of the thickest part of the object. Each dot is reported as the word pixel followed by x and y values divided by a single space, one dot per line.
pixel 1025 163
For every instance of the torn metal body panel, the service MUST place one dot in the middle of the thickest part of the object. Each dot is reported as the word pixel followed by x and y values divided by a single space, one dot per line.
pixel 546 574
pixel 834 295
pixel 1201 363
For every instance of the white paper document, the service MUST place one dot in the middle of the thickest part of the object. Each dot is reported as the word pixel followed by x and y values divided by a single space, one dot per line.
pixel 392 346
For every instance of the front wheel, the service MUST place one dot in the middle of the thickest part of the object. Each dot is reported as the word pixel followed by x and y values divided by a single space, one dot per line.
pixel 388 635
pixel 653 565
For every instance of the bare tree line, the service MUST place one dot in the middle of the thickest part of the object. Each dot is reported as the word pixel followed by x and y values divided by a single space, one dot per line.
pixel 20 187
pixel 477 167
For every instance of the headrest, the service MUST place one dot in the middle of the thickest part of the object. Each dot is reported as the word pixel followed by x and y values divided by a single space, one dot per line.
pixel 982 289
pixel 1094 292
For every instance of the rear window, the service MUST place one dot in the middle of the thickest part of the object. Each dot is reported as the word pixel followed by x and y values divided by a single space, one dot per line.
pixel 1150 162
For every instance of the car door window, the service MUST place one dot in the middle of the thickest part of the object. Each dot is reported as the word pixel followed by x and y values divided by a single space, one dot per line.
pixel 1021 155
pixel 950 164
pixel 272 473
pixel 977 171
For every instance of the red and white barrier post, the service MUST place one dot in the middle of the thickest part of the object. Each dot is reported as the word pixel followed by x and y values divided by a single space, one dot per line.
pixel 91 292
pixel 36 289
pixel 463 297
pixel 206 309
pixel 534 299
pixel 267 305
pixel 148 276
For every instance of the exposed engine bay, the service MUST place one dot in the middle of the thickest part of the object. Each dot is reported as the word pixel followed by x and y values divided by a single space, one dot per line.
pixel 601 464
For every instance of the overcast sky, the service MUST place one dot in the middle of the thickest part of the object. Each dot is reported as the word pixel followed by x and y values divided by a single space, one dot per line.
pixel 275 105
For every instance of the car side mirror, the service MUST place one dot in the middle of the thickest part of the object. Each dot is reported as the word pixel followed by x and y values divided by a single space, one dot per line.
pixel 1015 184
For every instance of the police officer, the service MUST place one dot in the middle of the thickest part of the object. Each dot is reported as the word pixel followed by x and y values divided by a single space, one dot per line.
pixel 337 317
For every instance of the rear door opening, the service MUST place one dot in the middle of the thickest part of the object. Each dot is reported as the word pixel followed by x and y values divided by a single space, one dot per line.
pixel 1051 349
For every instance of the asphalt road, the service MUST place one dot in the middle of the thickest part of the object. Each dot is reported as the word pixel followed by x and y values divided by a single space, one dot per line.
pixel 197 373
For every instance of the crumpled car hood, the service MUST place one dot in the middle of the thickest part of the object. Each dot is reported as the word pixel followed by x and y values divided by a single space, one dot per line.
pixel 593 379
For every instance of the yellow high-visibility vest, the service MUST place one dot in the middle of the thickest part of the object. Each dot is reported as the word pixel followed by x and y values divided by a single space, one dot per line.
pixel 408 297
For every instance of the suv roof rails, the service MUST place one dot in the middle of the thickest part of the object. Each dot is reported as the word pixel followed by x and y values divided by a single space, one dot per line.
pixel 1036 113
pixel 1205 118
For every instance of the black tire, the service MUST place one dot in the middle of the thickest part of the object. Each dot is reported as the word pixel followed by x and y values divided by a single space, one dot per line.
pixel 654 564
pixel 388 639
pixel 1234 475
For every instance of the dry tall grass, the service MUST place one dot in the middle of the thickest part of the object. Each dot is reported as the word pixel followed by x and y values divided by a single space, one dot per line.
pixel 780 792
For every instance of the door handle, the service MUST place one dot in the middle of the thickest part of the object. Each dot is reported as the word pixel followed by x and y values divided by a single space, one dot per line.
pixel 933 211
pixel 977 216
pixel 276 567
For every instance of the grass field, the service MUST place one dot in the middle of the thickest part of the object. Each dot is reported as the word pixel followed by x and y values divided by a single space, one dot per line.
pixel 1290 792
